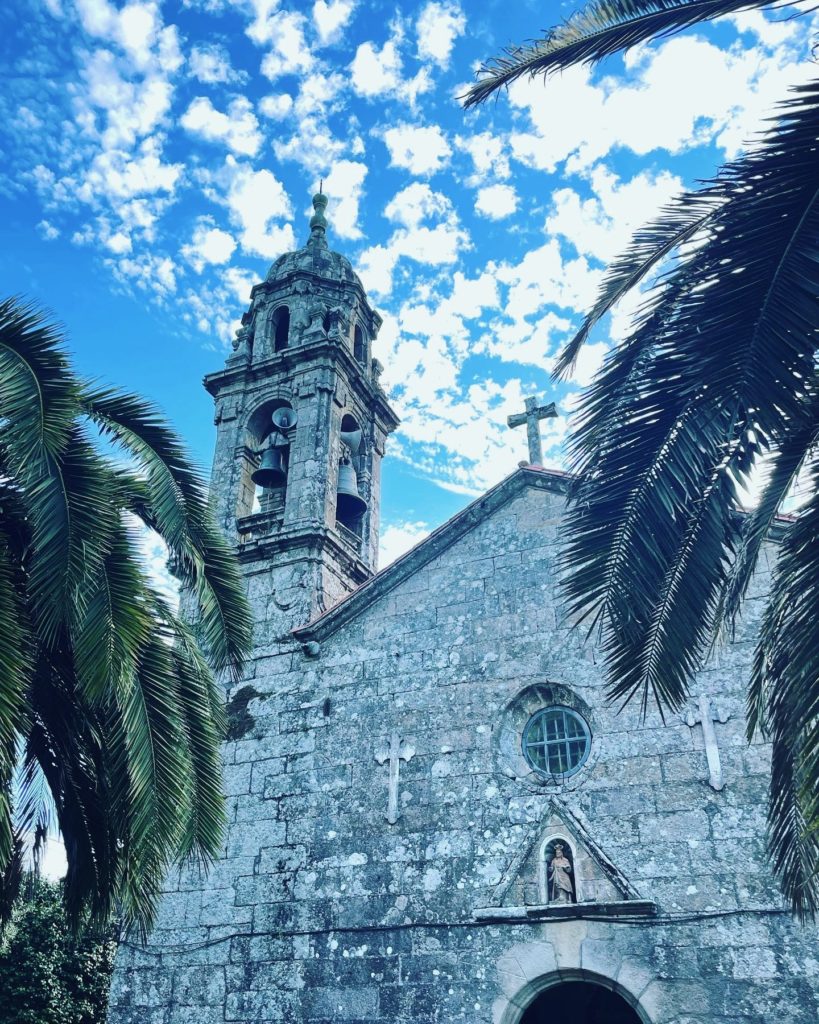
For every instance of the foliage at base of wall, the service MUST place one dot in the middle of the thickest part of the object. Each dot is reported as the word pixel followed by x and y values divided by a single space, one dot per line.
pixel 48 975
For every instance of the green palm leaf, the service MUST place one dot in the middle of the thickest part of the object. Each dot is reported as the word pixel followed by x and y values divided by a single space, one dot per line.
pixel 600 29
pixel 109 713
pixel 677 224
pixel 180 513
pixel 38 394
pixel 786 673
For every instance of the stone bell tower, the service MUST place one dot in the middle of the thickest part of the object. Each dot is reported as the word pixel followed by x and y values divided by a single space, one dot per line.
pixel 301 426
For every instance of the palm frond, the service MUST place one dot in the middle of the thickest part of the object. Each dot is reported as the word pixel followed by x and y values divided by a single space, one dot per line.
pixel 204 723
pixel 677 224
pixel 723 373
pixel 115 624
pixel 160 792
pixel 786 673
pixel 72 513
pixel 15 665
pixel 38 393
pixel 178 509
pixel 600 29
pixel 787 459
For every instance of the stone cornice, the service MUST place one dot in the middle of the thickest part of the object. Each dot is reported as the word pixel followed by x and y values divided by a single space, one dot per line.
pixel 314 536
pixel 322 351
pixel 431 547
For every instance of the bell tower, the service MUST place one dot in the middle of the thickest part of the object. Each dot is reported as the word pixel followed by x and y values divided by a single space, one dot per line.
pixel 301 425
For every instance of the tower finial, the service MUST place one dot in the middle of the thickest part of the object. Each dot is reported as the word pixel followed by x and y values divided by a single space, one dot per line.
pixel 318 222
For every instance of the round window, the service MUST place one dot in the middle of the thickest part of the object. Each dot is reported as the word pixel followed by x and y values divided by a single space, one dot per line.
pixel 556 742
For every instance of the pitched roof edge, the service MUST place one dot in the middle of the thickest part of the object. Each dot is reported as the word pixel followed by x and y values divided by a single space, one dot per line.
pixel 430 547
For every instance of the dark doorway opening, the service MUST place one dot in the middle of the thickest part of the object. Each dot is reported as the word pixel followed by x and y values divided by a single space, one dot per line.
pixel 579 1002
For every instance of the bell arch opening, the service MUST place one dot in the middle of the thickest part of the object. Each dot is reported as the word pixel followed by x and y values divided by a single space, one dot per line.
pixel 359 345
pixel 350 502
pixel 265 461
pixel 579 996
pixel 280 327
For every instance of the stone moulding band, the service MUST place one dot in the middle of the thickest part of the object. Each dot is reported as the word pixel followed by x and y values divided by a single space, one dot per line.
pixel 563 912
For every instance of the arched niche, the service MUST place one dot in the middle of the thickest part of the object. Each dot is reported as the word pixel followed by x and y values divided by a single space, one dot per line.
pixel 257 437
pixel 551 875
pixel 579 996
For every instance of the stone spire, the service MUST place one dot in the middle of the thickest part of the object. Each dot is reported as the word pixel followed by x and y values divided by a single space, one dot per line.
pixel 318 222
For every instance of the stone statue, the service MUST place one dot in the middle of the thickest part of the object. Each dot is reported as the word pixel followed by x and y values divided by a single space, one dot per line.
pixel 561 887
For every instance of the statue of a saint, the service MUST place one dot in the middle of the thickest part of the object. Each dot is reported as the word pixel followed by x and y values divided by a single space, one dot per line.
pixel 561 888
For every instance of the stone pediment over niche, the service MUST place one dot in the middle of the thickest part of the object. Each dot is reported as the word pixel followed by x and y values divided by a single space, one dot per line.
pixel 560 871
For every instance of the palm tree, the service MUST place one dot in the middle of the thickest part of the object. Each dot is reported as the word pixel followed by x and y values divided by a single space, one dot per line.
pixel 719 372
pixel 110 716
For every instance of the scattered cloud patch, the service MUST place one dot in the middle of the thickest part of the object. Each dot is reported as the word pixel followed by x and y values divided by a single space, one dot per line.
pixel 496 201
pixel 237 129
pixel 210 245
pixel 438 26
pixel 398 538
pixel 210 64
pixel 330 18
pixel 422 150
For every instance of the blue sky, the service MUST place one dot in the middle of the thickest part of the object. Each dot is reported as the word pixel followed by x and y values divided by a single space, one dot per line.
pixel 158 156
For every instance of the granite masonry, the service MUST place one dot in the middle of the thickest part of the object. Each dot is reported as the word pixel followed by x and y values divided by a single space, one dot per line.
pixel 434 814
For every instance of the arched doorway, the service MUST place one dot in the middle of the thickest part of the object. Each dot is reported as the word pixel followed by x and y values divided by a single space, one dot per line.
pixel 581 1002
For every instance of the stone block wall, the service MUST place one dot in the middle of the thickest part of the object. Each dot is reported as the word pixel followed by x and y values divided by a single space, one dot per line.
pixel 322 911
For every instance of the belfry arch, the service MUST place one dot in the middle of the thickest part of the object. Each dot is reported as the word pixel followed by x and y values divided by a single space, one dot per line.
pixel 579 996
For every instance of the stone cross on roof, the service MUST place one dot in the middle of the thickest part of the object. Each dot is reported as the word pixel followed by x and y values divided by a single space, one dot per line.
pixel 532 417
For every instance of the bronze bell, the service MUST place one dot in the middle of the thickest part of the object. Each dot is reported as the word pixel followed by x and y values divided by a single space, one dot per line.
pixel 350 506
pixel 272 471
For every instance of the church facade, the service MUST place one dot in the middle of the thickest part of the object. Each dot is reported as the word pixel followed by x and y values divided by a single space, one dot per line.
pixel 434 814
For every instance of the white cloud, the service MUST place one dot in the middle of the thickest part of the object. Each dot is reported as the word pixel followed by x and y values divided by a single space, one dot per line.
pixel 421 150
pixel 577 121
pixel 256 200
pixel 589 360
pixel 120 174
pixel 48 230
pixel 210 63
pixel 345 184
pixel 277 106
pixel 238 129
pixel 312 145
pixel 377 72
pixel 438 26
pixel 602 224
pixel 488 154
pixel 416 203
pixel 118 243
pixel 289 53
pixel 209 245
pixel 149 273
pixel 330 18
pixel 317 93
pixel 136 27
pixel 496 201
pixel 397 538
pixel 436 245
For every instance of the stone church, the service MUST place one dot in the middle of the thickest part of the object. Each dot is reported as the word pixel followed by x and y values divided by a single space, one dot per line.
pixel 434 814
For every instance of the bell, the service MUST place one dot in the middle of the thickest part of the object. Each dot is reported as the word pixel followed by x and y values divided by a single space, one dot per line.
pixel 284 419
pixel 271 471
pixel 350 506
pixel 352 438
